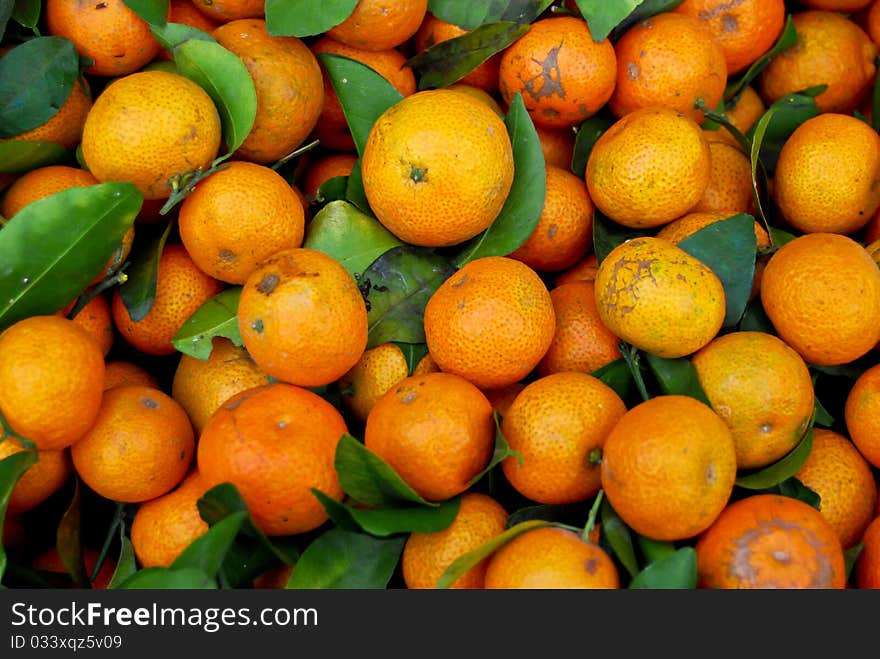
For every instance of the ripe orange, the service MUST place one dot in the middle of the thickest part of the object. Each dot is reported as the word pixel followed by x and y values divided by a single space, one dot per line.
pixel 551 557
pixel 437 167
pixel 275 443
pixel 867 567
pixel 562 73
pixel 689 224
pixel 822 293
pixel 380 24
pixel 181 288
pixel 583 270
pixel 745 111
pixel 230 10
pixel 51 380
pixel 770 541
pixel 434 30
pixel 502 397
pixel 323 169
pixel 872 22
pixel 42 182
pixel 668 467
pixel 40 481
pixel 730 182
pixel 119 373
pixel 302 318
pixel 652 144
pixel 185 12
pixel 65 127
pixel 479 94
pixel 843 6
pixel 50 561
pixel 427 555
pixel 95 318
pixel 862 412
pixel 557 145
pixel 491 322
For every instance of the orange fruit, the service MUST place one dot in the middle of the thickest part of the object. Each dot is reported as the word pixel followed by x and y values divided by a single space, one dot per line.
pixel 181 288
pixel 288 83
pixel 277 577
pixel 50 561
pixel 822 293
pixel 116 39
pixel 120 373
pixel 562 73
pixel 668 467
pixel 201 386
pixel 491 322
pixel 478 94
pixel 872 21
pixel 557 145
pixel 435 430
pixel 867 567
pixel 65 127
pixel 730 182
pixel 831 50
pixel 827 178
pixel 502 397
pixel 42 182
pixel 551 558
pixel 230 10
pixel 380 24
pixel 770 541
pixel 862 413
pixel 670 60
pixel 581 342
pixel 837 472
pixel 743 111
pixel 564 232
pixel 163 527
pixel 558 424
pixel 185 12
pixel 745 30
pixel 275 443
pixel 654 144
pixel 51 380
pixel 843 6
pixel 40 481
pixel 761 389
pixel 302 318
pixel 95 318
pixel 437 167
pixel 659 298
pixel 325 168
pixel 238 217
pixel 583 270
pixel 689 224
pixel 427 555
pixel 434 30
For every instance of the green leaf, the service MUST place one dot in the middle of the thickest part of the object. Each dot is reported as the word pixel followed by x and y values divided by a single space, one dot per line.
pixel 522 209
pixel 501 451
pixel 224 76
pixel 779 237
pixel 654 550
pixel 19 156
pixel 780 470
pixel 821 416
pixel 216 317
pixel 786 40
pixel 11 469
pixel 383 522
pixel 603 17
pixel 171 35
pixel 126 564
pixel 413 353
pixel 399 284
pixel 850 556
pixel 161 578
pixel 353 238
pixel 449 61
pixel 646 9
pixel 587 134
pixel 139 291
pixel 346 560
pixel 36 78
pixel 54 247
pixel 300 18
pixel 27 12
pixel 68 540
pixel 677 376
pixel 363 93
pixel 354 189
pixel 473 14
pixel 154 12
pixel 6 8
pixel 755 319
pixel 207 552
pixel 367 478
pixel 776 125
pixel 617 375
pixel 619 538
pixel 608 234
pixel 676 571
pixel 791 487
pixel 333 189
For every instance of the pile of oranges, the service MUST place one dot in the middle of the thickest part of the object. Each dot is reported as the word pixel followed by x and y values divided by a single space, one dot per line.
pixel 603 305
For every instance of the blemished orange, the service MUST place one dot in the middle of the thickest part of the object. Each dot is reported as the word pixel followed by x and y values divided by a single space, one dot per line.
pixel 42 182
pixel 821 291
pixel 730 182
pixel 436 430
pixel 325 168
pixel 302 318
pixel 761 389
pixel 491 322
pixel 745 29
pixel 502 397
pixel 434 30
pixel 238 217
pixel 40 481
pixel 181 288
pixel 659 298
pixel 275 443
pixel 689 224
pixel 581 342
pixel 668 467
pixel 148 127
pixel 380 24
pixel 769 541
pixel 118 373
pixel 551 558
pixel 140 446
pixel 562 73
pixel 51 380
pixel 743 112
pixel 163 527
pixel 827 178
pixel 654 144
pixel 867 567
pixel 112 35
pixel 862 414
pixel 224 11
pixel 837 472
pixel 564 232
pixel 288 82
pixel 437 167
pixel 65 127
pixel 558 424
pixel 49 561
pixel 332 127
pixel 557 145
pixel 201 386
pixel 831 50
pixel 427 555
pixel 669 60
pixel 583 270
pixel 95 318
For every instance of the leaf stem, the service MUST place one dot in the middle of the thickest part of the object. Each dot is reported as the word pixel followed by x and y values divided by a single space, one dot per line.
pixel 631 357
pixel 293 154
pixel 119 277
pixel 591 518
pixel 183 184
pixel 118 516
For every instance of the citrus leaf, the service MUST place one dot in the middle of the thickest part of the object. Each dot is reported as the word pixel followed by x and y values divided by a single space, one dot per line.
pixel 354 189
pixel 161 578
pixel 413 353
pixel 172 35
pixel 850 556
pixel 645 9
pixel 20 156
pixel 224 76
pixel 383 522
pixel 776 125
pixel 343 559
pixel 6 8
pixel 654 550
pixel 567 514
pixel 619 538
pixel 603 17
pixel 501 451
pixel 791 487
pixel 216 317
pixel 353 238
pixel 207 552
pixel 27 12
pixel 608 234
pixel 36 78
pixel 299 18
pixel 617 375
pixel 780 470
pixel 522 209
pixel 786 40
pixel 138 292
pixel 451 60
pixel 68 540
pixel 333 189
pixel 675 571
pixel 11 469
pixel 154 12
pixel 54 247
pixel 473 14
pixel 126 564
pixel 755 319
pixel 398 286
pixel 676 376
pixel 587 134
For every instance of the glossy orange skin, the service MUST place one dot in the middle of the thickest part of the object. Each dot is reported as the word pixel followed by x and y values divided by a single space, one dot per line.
pixel 862 414
pixel 380 24
pixel 40 481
